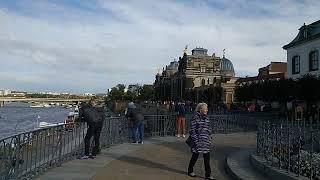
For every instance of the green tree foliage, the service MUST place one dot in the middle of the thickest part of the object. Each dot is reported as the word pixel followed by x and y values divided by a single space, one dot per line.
pixel 214 94
pixel 63 96
pixel 117 92
pixel 242 93
pixel 146 92
pixel 134 92
pixel 306 89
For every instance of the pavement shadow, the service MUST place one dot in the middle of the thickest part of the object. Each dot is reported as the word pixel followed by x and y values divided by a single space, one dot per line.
pixel 178 145
pixel 146 163
pixel 219 152
pixel 218 155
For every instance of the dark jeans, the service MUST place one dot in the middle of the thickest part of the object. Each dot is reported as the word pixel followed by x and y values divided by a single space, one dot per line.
pixel 137 131
pixel 194 159
pixel 133 130
pixel 95 132
pixel 141 131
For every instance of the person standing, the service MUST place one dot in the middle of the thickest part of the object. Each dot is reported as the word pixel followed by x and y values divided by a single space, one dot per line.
pixel 200 135
pixel 136 118
pixel 181 120
pixel 93 115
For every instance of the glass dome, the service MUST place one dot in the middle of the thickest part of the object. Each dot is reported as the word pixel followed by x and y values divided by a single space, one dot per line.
pixel 226 66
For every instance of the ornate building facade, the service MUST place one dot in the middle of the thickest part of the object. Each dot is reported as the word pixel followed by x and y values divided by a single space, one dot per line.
pixel 197 77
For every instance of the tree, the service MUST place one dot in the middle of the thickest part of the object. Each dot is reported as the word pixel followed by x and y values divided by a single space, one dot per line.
pixel 130 96
pixel 121 87
pixel 117 93
pixel 146 93
pixel 242 93
pixel 308 88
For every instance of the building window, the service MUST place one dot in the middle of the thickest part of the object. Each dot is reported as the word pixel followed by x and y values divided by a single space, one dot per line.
pixel 296 65
pixel 203 83
pixel 314 60
pixel 203 69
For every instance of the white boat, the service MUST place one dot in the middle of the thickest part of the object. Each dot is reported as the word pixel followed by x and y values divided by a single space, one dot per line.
pixel 46 105
pixel 44 124
pixel 37 106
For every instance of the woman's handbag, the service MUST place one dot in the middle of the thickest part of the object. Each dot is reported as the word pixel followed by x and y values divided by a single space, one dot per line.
pixel 189 142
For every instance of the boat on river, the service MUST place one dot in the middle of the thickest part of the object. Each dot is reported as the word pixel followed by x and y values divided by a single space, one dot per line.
pixel 40 106
pixel 36 106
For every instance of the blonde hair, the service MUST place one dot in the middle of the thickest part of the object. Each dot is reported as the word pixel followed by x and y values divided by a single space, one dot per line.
pixel 200 106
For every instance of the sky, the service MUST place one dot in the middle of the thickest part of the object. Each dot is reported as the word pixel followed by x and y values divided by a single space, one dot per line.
pixel 89 46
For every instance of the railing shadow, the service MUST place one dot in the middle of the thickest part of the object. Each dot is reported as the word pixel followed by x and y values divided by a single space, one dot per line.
pixel 145 163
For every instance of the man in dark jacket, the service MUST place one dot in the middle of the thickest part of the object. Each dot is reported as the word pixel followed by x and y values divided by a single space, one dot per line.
pixel 93 115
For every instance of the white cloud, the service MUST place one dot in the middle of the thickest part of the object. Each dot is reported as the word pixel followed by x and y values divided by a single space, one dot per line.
pixel 126 41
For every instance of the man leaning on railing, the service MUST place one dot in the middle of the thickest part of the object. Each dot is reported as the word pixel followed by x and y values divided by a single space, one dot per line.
pixel 136 123
pixel 93 115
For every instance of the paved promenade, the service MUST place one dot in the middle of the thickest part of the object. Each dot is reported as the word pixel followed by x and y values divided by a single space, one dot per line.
pixel 162 158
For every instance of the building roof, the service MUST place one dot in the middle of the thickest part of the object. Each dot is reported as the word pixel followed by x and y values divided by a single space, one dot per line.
pixel 173 65
pixel 226 65
pixel 259 78
pixel 280 67
pixel 199 52
pixel 306 33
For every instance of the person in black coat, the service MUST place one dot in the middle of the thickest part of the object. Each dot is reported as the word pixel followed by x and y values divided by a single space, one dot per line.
pixel 93 115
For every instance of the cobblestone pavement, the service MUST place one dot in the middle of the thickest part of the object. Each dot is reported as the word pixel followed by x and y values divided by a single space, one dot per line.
pixel 167 158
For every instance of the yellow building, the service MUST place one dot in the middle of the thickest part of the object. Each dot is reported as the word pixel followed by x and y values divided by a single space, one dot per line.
pixel 194 78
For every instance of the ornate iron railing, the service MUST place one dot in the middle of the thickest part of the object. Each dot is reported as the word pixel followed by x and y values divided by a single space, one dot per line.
pixel 26 155
pixel 292 145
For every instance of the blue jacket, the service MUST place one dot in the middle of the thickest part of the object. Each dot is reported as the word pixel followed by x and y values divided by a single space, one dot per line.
pixel 181 109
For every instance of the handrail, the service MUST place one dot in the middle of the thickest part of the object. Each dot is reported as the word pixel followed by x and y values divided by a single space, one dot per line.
pixel 27 154
pixel 291 145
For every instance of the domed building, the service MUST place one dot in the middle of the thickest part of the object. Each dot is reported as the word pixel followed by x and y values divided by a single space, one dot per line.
pixel 226 67
pixel 194 76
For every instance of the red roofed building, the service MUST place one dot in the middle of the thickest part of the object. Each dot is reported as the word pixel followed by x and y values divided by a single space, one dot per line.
pixel 274 71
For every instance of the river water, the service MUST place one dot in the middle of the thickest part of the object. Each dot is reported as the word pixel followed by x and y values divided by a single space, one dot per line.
pixel 19 117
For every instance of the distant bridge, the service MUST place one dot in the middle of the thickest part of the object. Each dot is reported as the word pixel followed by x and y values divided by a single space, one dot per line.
pixel 12 99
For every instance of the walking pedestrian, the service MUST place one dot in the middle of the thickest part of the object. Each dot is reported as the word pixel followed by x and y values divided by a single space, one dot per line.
pixel 201 140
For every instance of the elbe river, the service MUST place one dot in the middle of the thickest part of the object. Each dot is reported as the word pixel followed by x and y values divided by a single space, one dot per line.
pixel 20 117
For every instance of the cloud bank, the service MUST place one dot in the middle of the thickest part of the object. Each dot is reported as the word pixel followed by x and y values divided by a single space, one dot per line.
pixel 77 46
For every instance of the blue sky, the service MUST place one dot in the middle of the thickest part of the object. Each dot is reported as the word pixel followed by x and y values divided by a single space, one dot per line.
pixel 90 46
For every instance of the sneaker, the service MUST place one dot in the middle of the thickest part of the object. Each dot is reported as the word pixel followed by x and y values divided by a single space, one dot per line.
pixel 210 178
pixel 141 142
pixel 134 142
pixel 183 136
pixel 192 174
pixel 178 135
pixel 91 157
pixel 84 157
